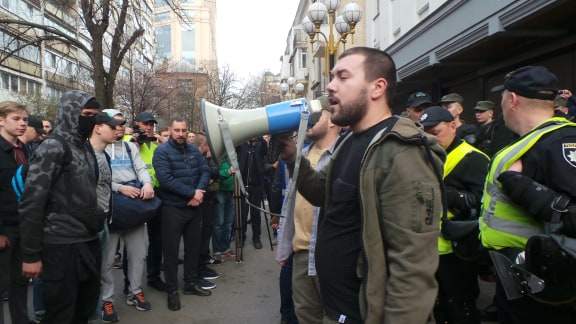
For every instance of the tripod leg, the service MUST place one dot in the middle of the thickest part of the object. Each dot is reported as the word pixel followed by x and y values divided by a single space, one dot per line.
pixel 267 223
pixel 238 220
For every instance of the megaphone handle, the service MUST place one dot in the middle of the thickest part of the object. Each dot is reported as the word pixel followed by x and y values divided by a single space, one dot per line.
pixel 231 152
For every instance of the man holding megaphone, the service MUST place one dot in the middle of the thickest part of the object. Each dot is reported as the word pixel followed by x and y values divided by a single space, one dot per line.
pixel 380 196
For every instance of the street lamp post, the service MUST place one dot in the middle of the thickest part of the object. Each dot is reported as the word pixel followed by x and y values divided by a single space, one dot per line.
pixel 290 89
pixel 345 24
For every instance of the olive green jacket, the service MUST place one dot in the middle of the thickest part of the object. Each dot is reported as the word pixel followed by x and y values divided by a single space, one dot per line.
pixel 401 205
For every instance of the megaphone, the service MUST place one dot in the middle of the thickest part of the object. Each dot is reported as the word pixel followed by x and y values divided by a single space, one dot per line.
pixel 245 124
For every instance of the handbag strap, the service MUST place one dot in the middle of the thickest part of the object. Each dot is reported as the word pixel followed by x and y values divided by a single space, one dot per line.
pixel 131 160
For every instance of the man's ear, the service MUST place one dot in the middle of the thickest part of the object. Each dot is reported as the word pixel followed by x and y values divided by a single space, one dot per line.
pixel 379 87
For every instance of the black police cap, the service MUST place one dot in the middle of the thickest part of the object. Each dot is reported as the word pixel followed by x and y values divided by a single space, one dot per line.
pixel 535 82
pixel 432 116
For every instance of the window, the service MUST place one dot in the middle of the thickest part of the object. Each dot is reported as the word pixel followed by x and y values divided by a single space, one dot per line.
pixel 162 16
pixel 303 59
pixel 4 80
pixel 163 41
pixel 189 44
pixel 14 83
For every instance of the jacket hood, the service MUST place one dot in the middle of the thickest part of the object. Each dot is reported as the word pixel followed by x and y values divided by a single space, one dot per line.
pixel 68 115
pixel 409 131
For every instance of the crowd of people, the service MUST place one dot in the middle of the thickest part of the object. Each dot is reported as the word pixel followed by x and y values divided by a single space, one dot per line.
pixel 398 217
pixel 93 195
pixel 395 219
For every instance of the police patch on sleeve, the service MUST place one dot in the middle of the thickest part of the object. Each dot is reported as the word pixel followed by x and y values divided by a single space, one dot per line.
pixel 569 153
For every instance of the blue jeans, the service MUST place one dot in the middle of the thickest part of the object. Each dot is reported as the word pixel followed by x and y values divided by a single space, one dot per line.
pixel 223 222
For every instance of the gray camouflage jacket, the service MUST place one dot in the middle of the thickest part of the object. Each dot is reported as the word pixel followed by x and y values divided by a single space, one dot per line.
pixel 59 204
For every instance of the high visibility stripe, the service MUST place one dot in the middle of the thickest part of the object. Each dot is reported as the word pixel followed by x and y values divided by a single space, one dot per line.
pixel 503 223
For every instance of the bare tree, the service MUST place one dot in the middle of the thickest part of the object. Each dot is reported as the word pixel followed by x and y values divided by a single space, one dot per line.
pixel 112 27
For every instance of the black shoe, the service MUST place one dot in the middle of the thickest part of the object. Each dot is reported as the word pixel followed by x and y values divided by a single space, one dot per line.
pixel 194 289
pixel 208 274
pixel 157 284
pixel 174 301
pixel 257 244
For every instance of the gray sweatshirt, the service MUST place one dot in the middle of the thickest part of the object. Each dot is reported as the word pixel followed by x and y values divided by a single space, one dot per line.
pixel 122 170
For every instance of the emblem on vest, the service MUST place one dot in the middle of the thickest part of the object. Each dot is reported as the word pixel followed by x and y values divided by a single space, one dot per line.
pixel 569 153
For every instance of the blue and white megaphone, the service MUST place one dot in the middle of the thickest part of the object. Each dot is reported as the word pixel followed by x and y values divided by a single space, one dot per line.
pixel 245 124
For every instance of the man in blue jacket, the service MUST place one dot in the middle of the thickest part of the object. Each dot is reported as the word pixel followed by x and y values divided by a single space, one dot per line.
pixel 183 174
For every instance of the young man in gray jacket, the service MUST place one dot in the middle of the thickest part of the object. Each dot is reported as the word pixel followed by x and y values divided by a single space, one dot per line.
pixel 376 253
pixel 127 166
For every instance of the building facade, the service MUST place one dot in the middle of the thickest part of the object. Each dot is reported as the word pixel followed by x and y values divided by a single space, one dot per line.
pixel 468 46
pixel 46 69
pixel 186 38
pixel 307 62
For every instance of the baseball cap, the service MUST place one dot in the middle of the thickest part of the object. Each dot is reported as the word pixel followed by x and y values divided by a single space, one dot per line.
pixel 536 82
pixel 484 105
pixel 103 118
pixel 418 99
pixel 92 103
pixel 36 123
pixel 452 97
pixel 112 112
pixel 434 115
pixel 145 117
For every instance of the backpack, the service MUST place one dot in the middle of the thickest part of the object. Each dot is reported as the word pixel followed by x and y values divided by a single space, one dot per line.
pixel 19 179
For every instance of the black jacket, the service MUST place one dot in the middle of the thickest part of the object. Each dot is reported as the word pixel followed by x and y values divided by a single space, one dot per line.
pixel 252 162
pixel 8 202
pixel 59 204
pixel 180 169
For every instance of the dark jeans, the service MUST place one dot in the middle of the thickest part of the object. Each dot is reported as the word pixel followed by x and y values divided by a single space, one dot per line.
pixel 71 279
pixel 208 210
pixel 178 222
pixel 255 196
pixel 11 278
pixel 154 258
pixel 286 302
pixel 528 311
pixel 224 220
pixel 457 292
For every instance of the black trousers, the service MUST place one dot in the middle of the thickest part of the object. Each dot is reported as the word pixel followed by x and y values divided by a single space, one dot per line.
pixel 286 303
pixel 154 258
pixel 71 278
pixel 11 278
pixel 208 210
pixel 528 311
pixel 177 223
pixel 255 196
pixel 457 292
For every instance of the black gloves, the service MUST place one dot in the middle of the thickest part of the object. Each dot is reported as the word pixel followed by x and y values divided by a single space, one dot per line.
pixel 534 197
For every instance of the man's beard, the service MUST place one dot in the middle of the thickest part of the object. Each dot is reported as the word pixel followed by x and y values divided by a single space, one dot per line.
pixel 351 113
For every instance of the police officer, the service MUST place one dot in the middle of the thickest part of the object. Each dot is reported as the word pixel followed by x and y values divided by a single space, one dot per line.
pixel 454 103
pixel 464 173
pixel 416 103
pixel 529 181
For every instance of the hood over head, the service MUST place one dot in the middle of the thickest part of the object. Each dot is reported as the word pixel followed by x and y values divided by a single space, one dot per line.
pixel 68 115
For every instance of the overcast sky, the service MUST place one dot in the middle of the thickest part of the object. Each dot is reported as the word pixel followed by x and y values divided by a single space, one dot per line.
pixel 251 34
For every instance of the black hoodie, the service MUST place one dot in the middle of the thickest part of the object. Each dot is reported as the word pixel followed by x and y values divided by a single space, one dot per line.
pixel 59 204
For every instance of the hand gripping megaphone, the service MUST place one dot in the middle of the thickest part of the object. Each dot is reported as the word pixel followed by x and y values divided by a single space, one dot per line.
pixel 245 124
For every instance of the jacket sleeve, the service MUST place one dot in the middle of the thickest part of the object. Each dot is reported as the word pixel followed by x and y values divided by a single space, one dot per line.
pixel 165 175
pixel 410 207
pixel 311 183
pixel 205 171
pixel 464 199
pixel 139 165
pixel 45 166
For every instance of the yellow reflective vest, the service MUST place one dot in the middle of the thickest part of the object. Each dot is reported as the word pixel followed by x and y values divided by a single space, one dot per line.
pixel 147 153
pixel 504 224
pixel 452 160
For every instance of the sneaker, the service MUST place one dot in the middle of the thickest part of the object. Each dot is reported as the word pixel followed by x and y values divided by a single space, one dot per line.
pixel 157 284
pixel 174 301
pixel 139 301
pixel 207 273
pixel 109 314
pixel 195 289
pixel 205 284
